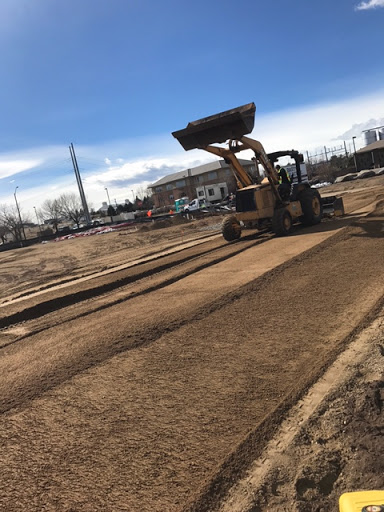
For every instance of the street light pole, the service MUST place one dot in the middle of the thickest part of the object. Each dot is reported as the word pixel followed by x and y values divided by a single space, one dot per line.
pixel 18 211
pixel 38 222
pixel 109 202
pixel 354 151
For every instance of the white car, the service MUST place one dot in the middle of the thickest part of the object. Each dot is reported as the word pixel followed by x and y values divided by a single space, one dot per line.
pixel 197 204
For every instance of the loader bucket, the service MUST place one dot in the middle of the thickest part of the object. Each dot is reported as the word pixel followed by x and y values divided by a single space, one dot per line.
pixel 332 205
pixel 231 124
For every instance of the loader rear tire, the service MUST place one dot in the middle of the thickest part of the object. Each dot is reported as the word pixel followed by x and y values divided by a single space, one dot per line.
pixel 281 222
pixel 231 228
pixel 311 205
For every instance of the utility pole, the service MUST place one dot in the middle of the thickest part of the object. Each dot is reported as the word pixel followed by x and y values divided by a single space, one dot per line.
pixel 21 222
pixel 345 147
pixel 326 154
pixel 38 221
pixel 109 202
pixel 354 152
pixel 80 184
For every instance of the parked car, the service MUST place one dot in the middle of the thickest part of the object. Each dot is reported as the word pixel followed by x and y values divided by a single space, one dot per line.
pixel 347 177
pixel 64 230
pixel 366 174
pixel 197 204
pixel 97 222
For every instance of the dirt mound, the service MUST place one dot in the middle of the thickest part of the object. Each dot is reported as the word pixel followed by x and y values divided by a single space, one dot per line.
pixel 161 224
pixel 339 451
pixel 179 219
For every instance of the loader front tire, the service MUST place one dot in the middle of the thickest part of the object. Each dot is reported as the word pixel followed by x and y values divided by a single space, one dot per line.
pixel 311 205
pixel 231 228
pixel 281 222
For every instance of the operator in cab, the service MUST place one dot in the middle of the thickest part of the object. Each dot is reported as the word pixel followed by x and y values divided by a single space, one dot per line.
pixel 284 182
pixel 283 175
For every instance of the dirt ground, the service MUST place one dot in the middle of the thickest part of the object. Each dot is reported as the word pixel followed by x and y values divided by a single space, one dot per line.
pixel 36 265
pixel 337 450
pixel 157 390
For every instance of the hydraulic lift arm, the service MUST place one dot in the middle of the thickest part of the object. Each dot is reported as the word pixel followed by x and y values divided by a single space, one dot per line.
pixel 231 125
pixel 243 179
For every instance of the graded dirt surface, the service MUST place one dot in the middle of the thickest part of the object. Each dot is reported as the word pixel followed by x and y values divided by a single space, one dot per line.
pixel 337 448
pixel 37 265
pixel 154 387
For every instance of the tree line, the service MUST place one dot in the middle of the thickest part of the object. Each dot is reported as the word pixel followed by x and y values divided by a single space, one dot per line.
pixel 66 206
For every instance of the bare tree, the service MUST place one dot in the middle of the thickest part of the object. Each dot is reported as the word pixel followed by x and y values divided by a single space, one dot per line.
pixel 70 207
pixel 144 198
pixel 142 192
pixel 3 232
pixel 9 219
pixel 50 210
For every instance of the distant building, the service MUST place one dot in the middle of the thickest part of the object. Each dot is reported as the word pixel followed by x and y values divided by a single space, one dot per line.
pixel 371 156
pixel 104 208
pixel 184 183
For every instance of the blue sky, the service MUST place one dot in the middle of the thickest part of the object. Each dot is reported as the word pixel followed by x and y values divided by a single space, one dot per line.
pixel 116 77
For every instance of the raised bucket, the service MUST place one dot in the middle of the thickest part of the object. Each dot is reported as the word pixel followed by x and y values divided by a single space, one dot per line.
pixel 231 124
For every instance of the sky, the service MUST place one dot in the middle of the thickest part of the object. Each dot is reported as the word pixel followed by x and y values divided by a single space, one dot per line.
pixel 117 77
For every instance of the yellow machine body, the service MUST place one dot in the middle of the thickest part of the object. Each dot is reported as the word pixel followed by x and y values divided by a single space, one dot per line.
pixel 362 501
pixel 265 204
pixel 257 205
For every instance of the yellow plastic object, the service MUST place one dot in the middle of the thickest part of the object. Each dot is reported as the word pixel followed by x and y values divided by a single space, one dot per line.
pixel 362 501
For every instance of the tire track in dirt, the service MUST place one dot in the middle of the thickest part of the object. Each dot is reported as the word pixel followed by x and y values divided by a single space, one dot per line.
pixel 275 478
pixel 14 313
pixel 145 325
pixel 190 262
pixel 155 255
pixel 170 425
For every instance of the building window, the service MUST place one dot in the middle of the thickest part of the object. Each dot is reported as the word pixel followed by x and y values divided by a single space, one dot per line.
pixel 171 197
pixel 211 192
pixel 201 193
pixel 180 183
pixel 199 179
pixel 169 186
pixel 212 175
pixel 159 189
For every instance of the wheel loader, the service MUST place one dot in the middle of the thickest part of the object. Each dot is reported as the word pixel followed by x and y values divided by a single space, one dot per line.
pixel 257 204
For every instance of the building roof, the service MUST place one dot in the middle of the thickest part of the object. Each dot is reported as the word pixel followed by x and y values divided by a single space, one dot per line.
pixel 196 171
pixel 379 144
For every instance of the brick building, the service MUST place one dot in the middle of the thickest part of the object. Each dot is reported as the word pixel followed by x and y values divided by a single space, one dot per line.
pixel 184 183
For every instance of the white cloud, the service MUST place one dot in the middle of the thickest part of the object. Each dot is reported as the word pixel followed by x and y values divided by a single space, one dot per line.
pixel 360 127
pixel 11 167
pixel 314 126
pixel 121 180
pixel 135 163
pixel 370 4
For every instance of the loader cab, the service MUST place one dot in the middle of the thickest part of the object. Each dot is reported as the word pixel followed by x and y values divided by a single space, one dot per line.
pixel 292 171
pixel 295 169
